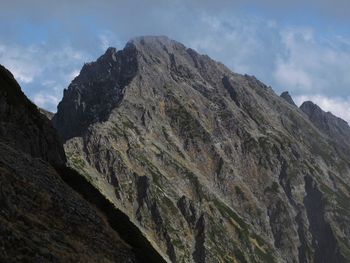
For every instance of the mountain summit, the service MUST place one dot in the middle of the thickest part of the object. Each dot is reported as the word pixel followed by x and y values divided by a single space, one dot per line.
pixel 212 166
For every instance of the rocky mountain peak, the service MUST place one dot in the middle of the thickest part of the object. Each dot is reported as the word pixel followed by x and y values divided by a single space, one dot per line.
pixel 96 91
pixel 213 166
pixel 334 127
pixel 285 95
pixel 108 58
pixel 111 51
pixel 162 54
pixel 316 113
pixel 100 86
pixel 309 108
pixel 150 44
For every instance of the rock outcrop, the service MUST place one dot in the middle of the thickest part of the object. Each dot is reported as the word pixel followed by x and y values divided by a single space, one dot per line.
pixel 96 92
pixel 211 165
pixel 46 113
pixel 334 127
pixel 42 217
pixel 285 95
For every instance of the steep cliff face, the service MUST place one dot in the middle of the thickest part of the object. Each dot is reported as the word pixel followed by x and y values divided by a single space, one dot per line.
pixel 42 219
pixel 211 165
pixel 96 91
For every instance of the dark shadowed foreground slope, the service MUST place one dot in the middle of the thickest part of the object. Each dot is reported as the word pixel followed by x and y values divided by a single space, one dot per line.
pixel 211 165
pixel 21 125
pixel 42 217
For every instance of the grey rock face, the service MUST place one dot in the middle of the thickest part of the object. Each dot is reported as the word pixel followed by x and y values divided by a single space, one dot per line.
pixel 285 95
pixel 211 165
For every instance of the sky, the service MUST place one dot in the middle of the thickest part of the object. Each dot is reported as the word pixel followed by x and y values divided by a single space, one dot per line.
pixel 303 48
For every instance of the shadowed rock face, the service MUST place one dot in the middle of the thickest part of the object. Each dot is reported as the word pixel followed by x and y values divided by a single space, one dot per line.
pixel 43 220
pixel 42 217
pixel 211 165
pixel 95 92
pixel 22 126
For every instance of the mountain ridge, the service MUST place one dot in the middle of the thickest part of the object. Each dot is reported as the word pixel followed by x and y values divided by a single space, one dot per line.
pixel 210 164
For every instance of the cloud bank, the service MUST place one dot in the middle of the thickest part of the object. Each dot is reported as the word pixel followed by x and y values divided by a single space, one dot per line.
pixel 300 46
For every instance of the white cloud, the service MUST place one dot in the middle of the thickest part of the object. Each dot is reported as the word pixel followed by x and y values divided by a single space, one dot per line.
pixel 108 39
pixel 45 100
pixel 104 42
pixel 20 61
pixel 245 45
pixel 294 59
pixel 338 106
pixel 291 76
pixel 311 64
pixel 43 71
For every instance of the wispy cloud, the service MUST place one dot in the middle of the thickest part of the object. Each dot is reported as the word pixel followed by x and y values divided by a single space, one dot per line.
pixel 45 100
pixel 108 39
pixel 246 45
pixel 46 48
pixel 20 61
pixel 310 64
pixel 43 71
